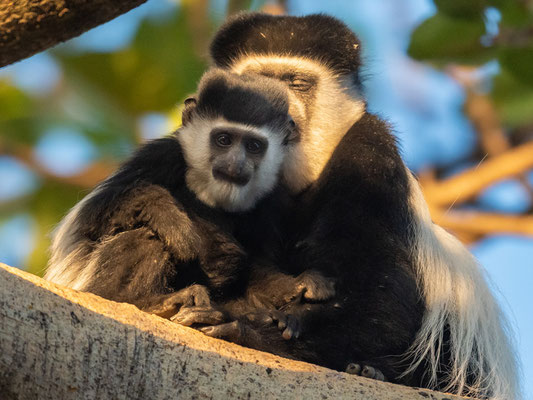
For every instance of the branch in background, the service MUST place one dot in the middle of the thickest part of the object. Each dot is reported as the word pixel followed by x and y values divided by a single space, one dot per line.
pixel 467 184
pixel 199 23
pixel 481 111
pixel 30 26
pixel 478 224
pixel 58 343
pixel 275 7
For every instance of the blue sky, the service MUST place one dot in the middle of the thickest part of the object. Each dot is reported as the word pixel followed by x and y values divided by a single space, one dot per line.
pixel 423 105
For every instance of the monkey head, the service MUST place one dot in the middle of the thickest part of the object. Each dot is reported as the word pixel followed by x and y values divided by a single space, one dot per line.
pixel 235 135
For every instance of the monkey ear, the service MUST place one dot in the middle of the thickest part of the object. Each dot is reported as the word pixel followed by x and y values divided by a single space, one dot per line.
pixel 188 110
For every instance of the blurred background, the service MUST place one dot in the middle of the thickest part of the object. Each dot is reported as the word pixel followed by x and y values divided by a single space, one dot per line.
pixel 454 78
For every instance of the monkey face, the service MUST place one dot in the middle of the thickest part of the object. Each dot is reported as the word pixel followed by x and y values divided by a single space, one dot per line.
pixel 323 104
pixel 236 154
pixel 235 136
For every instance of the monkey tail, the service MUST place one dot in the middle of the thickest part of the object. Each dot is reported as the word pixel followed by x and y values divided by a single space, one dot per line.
pixel 482 362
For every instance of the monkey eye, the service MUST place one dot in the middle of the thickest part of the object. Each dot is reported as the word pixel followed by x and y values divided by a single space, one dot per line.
pixel 300 85
pixel 223 140
pixel 254 146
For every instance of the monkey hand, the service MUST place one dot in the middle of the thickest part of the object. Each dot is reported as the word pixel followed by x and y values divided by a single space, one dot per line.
pixel 249 328
pixel 312 286
pixel 170 304
pixel 199 315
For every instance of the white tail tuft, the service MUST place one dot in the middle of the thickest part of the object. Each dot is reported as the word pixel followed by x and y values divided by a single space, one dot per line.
pixel 457 298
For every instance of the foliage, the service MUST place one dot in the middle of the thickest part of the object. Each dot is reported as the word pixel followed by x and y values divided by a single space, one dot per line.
pixel 102 96
pixel 465 31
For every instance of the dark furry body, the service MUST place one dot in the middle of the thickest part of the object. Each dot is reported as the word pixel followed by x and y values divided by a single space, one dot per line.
pixel 353 225
pixel 359 234
pixel 153 237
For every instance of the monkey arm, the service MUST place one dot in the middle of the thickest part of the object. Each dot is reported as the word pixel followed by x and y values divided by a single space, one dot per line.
pixel 152 206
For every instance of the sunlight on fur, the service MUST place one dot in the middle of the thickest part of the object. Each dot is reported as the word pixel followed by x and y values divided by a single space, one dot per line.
pixel 457 297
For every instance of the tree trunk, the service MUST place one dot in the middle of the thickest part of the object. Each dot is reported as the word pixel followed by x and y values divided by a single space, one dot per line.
pixel 58 343
pixel 30 26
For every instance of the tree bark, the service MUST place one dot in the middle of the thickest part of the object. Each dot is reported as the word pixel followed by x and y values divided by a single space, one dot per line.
pixel 58 343
pixel 30 26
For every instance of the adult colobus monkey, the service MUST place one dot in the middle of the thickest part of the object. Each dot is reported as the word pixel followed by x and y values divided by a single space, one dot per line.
pixel 411 300
pixel 185 216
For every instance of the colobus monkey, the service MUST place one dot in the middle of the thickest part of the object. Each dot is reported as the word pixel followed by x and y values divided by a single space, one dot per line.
pixel 185 216
pixel 410 300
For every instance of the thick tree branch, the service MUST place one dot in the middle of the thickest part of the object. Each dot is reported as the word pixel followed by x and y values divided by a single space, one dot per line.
pixel 30 26
pixel 57 343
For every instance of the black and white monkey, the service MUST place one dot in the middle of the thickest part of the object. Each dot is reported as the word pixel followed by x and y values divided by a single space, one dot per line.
pixel 411 300
pixel 182 220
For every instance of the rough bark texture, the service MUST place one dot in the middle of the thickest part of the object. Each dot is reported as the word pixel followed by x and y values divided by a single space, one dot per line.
pixel 30 26
pixel 57 343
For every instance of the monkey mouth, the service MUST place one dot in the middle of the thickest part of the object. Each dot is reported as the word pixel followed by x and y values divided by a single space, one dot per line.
pixel 236 179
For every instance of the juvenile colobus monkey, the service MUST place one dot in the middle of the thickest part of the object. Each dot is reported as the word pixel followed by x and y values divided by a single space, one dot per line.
pixel 411 300
pixel 185 216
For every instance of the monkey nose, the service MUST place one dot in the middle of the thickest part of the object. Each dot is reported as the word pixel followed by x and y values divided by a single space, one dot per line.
pixel 232 175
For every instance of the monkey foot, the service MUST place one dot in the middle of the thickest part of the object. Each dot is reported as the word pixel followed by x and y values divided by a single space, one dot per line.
pixel 198 315
pixel 366 371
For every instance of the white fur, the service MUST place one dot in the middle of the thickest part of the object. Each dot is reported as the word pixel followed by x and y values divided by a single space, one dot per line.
pixel 194 139
pixel 72 260
pixel 337 108
pixel 452 283
pixel 456 294
pixel 68 262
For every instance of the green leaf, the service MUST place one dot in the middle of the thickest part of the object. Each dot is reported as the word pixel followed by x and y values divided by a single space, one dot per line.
pixel 48 206
pixel 519 62
pixel 14 103
pixel 515 14
pixel 442 38
pixel 157 71
pixel 513 99
pixel 463 9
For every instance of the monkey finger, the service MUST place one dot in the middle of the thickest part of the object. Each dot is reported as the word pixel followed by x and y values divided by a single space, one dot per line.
pixel 314 286
pixel 260 318
pixel 198 296
pixel 198 315
pixel 293 328
pixel 280 317
pixel 229 331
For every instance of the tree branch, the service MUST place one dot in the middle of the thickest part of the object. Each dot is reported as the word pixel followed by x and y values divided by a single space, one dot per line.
pixel 57 343
pixel 475 223
pixel 30 26
pixel 467 184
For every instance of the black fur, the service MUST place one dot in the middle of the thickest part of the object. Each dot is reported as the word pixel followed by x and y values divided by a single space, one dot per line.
pixel 352 224
pixel 318 37
pixel 154 244
pixel 358 232
pixel 152 236
pixel 248 99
